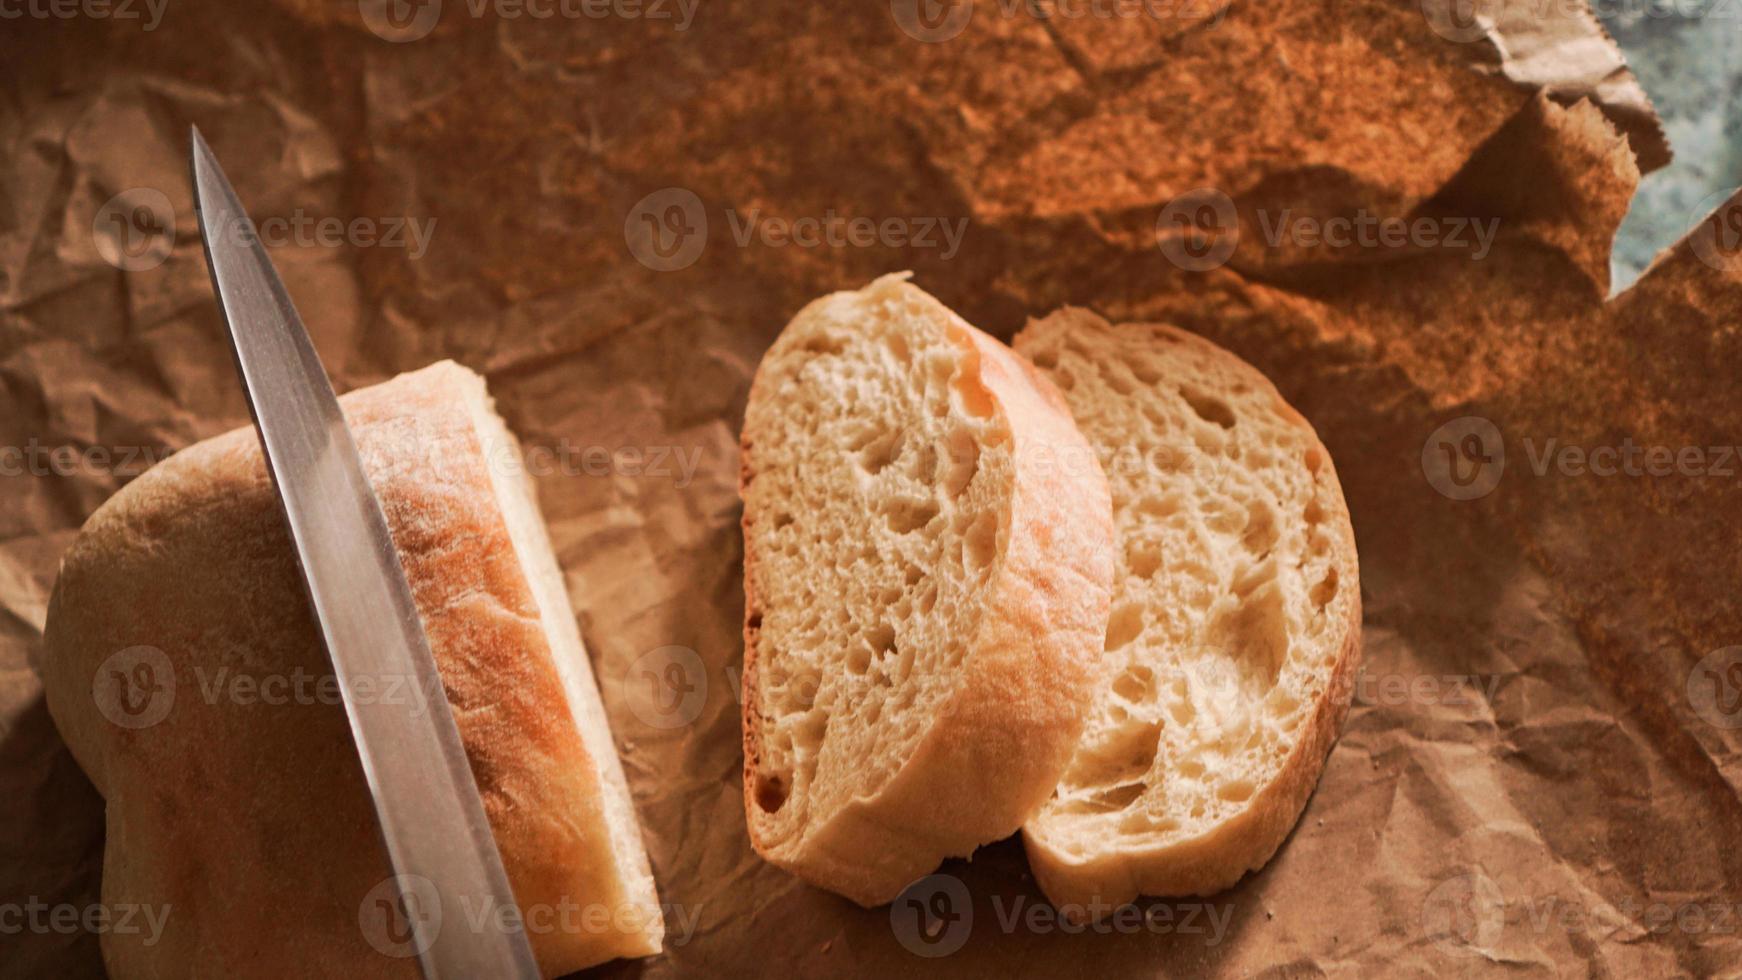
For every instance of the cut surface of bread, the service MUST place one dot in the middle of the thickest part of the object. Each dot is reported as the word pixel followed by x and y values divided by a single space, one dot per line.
pixel 1234 632
pixel 243 810
pixel 927 569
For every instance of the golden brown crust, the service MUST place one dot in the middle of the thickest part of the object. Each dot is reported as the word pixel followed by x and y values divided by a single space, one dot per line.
pixel 251 821
pixel 1216 860
pixel 1000 743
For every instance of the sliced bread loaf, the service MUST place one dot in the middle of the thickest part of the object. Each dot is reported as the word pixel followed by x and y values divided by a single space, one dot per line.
pixel 188 676
pixel 927 566
pixel 1235 626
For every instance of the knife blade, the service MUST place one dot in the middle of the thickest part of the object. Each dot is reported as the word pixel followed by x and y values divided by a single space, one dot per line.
pixel 431 816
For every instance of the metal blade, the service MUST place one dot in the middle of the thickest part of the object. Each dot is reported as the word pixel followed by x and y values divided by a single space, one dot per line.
pixel 431 816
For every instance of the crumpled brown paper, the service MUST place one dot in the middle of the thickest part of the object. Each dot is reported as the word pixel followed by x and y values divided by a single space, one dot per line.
pixel 1542 769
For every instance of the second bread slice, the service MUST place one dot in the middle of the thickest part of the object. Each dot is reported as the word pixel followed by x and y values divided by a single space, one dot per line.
pixel 927 566
pixel 1235 624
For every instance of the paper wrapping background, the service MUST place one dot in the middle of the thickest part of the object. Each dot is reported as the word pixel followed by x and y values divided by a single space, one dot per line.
pixel 1571 771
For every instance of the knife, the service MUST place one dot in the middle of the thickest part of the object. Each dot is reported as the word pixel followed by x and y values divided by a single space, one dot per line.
pixel 431 816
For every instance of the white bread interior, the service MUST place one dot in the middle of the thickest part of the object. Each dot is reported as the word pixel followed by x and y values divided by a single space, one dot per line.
pixel 1235 624
pixel 927 566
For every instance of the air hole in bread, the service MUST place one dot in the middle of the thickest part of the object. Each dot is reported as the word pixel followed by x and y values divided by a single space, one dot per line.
pixel 1260 534
pixel 1325 590
pixel 1208 408
pixel 1145 371
pixel 1126 755
pixel 1143 558
pixel 1117 798
pixel 1238 791
pixel 1113 376
pixel 1254 632
pixel 858 660
pixel 898 347
pixel 964 462
pixel 1158 507
pixel 880 452
pixel 980 544
pixel 906 516
pixel 824 345
pixel 924 467
pixel 1124 625
pixel 771 792
pixel 1135 684
pixel 1314 459
pixel 1046 359
pixel 928 598
pixel 971 395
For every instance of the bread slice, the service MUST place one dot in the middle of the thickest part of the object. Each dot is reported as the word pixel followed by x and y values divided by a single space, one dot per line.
pixel 1235 627
pixel 243 809
pixel 927 565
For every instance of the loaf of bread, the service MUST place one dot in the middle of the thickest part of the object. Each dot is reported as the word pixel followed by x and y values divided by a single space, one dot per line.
pixel 927 564
pixel 184 669
pixel 1235 625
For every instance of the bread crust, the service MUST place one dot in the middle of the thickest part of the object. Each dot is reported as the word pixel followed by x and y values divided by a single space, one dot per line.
pixel 999 744
pixel 247 815
pixel 1093 886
